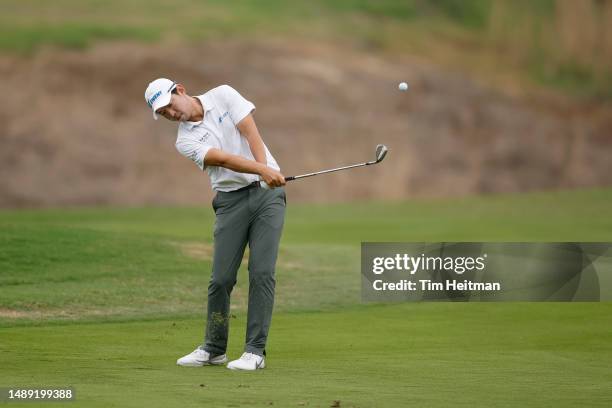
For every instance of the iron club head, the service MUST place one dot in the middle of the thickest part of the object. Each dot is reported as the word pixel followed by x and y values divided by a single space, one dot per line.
pixel 381 152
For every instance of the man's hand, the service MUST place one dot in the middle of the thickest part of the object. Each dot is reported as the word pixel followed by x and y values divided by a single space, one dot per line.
pixel 272 177
pixel 216 157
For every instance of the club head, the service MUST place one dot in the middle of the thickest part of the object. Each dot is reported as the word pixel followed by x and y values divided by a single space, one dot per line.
pixel 381 152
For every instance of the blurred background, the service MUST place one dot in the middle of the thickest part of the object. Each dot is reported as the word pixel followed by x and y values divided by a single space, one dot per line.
pixel 505 96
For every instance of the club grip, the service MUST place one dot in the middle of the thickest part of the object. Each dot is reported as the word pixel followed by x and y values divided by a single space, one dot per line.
pixel 289 178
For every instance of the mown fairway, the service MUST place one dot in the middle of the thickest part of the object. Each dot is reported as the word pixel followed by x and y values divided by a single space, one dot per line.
pixel 105 300
pixel 376 356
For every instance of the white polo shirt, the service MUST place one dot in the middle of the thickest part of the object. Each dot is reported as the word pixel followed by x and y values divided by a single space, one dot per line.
pixel 224 108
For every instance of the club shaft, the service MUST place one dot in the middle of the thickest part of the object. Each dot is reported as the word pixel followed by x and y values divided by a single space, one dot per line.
pixel 329 171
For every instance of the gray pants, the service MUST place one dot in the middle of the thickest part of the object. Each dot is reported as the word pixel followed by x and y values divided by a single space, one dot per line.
pixel 254 216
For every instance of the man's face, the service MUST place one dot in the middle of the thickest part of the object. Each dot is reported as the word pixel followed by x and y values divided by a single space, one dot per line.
pixel 179 108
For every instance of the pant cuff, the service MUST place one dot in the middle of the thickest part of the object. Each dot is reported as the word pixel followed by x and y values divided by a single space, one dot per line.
pixel 255 350
pixel 213 351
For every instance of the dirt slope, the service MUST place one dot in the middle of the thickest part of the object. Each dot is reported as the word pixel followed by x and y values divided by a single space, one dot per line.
pixel 75 130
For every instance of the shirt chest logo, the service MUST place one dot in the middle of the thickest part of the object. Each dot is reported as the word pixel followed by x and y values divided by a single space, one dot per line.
pixel 204 138
pixel 223 116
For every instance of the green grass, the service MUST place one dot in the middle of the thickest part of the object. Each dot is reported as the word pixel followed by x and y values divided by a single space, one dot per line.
pixel 464 34
pixel 69 35
pixel 29 24
pixel 139 263
pixel 106 299
pixel 432 354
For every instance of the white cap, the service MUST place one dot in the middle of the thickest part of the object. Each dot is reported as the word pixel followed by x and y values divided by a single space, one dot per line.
pixel 159 93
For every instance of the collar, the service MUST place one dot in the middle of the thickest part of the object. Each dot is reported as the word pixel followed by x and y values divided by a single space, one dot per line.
pixel 206 102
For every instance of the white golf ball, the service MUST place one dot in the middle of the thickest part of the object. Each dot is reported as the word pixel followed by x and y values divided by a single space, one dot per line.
pixel 403 86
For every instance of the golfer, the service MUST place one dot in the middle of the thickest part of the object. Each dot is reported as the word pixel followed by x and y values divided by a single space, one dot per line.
pixel 218 133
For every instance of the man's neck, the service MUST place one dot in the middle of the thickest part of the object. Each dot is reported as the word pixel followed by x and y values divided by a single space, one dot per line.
pixel 198 114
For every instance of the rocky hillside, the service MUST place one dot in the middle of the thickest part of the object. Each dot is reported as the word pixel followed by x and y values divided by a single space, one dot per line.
pixel 75 130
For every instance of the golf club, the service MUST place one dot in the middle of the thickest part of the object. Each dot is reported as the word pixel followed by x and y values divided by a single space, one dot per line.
pixel 381 152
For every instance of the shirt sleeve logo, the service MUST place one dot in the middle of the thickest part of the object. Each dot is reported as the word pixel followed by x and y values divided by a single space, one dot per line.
pixel 223 116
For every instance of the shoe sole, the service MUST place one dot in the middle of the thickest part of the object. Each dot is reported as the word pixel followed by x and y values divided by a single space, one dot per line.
pixel 260 367
pixel 203 364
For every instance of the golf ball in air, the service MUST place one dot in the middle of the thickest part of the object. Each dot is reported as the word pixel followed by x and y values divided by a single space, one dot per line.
pixel 403 86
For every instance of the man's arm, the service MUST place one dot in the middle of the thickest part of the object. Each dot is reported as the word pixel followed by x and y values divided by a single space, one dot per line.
pixel 248 129
pixel 216 157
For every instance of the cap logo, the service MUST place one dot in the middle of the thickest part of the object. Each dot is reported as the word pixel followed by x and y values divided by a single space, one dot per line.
pixel 153 98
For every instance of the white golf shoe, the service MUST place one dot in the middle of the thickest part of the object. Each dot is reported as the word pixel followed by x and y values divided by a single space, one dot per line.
pixel 199 358
pixel 247 362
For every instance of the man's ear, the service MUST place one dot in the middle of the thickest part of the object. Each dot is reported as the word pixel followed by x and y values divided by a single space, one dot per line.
pixel 180 89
